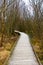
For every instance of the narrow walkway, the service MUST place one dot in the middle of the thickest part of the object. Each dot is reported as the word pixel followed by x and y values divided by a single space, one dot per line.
pixel 23 53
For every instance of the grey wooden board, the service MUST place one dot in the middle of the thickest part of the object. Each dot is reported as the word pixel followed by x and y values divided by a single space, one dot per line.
pixel 23 53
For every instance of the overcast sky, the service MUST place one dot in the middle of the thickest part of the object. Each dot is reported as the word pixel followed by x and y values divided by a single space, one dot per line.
pixel 27 3
pixel 0 2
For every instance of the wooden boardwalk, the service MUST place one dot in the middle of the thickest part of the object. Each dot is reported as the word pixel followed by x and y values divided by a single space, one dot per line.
pixel 23 53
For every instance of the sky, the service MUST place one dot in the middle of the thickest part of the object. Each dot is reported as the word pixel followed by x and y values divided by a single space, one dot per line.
pixel 0 2
pixel 26 1
pixel 30 8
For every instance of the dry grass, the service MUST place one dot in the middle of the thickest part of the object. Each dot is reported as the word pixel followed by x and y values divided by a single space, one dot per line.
pixel 3 55
pixel 38 49
pixel 5 50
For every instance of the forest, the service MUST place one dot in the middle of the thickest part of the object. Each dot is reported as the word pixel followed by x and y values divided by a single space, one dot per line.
pixel 24 18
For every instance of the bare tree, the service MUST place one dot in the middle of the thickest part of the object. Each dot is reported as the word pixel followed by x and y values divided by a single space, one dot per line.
pixel 36 5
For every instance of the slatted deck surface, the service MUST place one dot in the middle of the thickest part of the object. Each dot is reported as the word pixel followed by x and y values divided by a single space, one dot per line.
pixel 23 53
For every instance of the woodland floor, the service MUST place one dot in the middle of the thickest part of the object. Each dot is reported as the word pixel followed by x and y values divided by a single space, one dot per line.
pixel 5 50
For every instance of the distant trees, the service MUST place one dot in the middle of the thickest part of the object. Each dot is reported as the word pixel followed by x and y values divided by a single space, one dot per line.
pixel 19 18
pixel 36 5
pixel 2 21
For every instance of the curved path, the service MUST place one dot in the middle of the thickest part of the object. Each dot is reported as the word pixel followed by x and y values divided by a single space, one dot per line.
pixel 23 53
